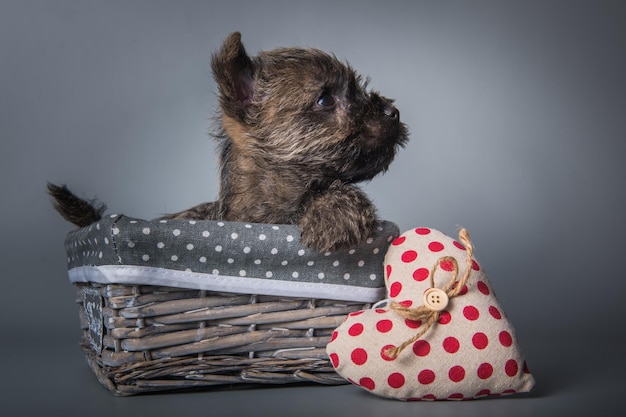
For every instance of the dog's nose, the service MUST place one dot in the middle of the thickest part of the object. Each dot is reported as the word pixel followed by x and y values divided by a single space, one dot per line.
pixel 391 112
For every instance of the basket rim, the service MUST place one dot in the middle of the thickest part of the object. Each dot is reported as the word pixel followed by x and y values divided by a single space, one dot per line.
pixel 236 257
pixel 133 275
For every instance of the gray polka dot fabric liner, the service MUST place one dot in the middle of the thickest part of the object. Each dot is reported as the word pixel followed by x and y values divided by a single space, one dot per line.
pixel 236 257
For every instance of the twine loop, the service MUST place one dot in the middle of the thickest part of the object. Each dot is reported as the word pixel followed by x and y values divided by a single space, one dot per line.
pixel 425 313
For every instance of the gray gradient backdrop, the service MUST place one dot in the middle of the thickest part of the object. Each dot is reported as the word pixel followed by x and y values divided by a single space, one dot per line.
pixel 517 113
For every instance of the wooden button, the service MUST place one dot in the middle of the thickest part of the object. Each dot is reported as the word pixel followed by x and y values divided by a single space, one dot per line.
pixel 436 299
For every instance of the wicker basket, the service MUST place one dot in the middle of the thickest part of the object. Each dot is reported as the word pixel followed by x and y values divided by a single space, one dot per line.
pixel 140 337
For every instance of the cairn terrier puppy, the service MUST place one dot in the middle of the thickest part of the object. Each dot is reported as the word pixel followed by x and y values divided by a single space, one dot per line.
pixel 297 130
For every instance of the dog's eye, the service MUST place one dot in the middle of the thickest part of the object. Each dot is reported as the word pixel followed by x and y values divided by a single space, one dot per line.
pixel 326 101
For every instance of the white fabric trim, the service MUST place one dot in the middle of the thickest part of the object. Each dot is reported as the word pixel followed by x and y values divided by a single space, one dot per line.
pixel 135 275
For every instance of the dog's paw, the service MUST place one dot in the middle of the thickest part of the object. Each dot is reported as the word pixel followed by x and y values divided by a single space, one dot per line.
pixel 328 235
pixel 339 218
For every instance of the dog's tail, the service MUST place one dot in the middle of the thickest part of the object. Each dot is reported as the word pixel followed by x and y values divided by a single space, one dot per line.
pixel 74 209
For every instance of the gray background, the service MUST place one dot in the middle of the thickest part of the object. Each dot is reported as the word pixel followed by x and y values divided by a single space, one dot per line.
pixel 517 117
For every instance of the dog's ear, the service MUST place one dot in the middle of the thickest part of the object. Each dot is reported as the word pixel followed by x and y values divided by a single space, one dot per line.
pixel 234 73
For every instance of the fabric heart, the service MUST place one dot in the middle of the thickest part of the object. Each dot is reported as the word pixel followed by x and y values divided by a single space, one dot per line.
pixel 440 335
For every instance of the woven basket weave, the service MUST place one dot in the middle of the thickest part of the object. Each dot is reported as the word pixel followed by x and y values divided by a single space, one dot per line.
pixel 163 338
pixel 141 338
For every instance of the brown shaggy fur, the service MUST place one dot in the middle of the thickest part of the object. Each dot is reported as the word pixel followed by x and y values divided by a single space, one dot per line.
pixel 298 129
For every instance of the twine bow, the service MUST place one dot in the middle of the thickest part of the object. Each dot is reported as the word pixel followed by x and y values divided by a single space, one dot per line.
pixel 426 314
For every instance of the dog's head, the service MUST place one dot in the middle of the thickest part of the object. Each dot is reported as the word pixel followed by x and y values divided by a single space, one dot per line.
pixel 302 109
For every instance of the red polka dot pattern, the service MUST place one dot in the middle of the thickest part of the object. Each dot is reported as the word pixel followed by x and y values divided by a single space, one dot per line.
pixel 395 289
pixel 384 326
pixel 480 340
pixel 409 256
pixel 451 344
pixel 444 318
pixel 463 290
pixel 435 246
pixel 359 356
pixel 482 287
pixel 456 373
pixel 426 377
pixel 475 266
pixel 421 348
pixel 367 383
pixel 505 338
pixel 471 313
pixel 447 265
pixel 396 380
pixel 482 393
pixel 470 351
pixel 495 313
pixel 384 354
pixel 485 370
pixel 356 329
pixel 413 324
pixel 420 274
pixel 511 368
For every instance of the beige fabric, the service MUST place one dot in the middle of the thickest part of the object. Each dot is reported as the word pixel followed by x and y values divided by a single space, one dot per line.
pixel 471 350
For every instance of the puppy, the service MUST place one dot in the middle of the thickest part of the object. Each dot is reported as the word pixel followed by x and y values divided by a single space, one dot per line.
pixel 297 130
